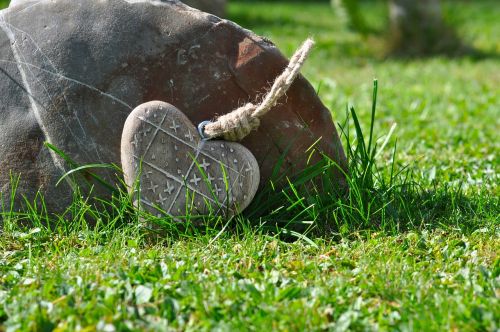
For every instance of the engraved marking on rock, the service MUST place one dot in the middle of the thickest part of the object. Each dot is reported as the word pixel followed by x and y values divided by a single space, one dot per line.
pixel 156 131
pixel 192 51
pixel 135 142
pixel 150 204
pixel 181 57
pixel 163 199
pixel 190 136
pixel 195 180
pixel 34 104
pixel 201 100
pixel 217 189
pixel 38 81
pixel 198 149
pixel 146 132
pixel 176 179
pixel 171 84
pixel 193 146
pixel 174 126
pixel 231 199
pixel 169 188
pixel 153 187
pixel 210 178
pixel 113 98
pixel 204 165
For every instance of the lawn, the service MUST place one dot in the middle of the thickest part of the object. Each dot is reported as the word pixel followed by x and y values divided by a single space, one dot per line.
pixel 426 259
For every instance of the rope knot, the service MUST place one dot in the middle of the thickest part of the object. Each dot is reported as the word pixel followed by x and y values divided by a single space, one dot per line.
pixel 236 125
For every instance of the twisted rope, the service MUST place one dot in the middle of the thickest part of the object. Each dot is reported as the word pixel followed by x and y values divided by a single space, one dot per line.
pixel 239 123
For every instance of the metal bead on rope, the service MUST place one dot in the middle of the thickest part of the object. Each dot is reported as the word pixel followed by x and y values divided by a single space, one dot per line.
pixel 237 124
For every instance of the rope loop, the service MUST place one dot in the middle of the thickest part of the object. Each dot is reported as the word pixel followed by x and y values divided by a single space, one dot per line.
pixel 237 124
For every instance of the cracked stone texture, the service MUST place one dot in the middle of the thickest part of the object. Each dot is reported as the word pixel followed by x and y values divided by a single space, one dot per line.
pixel 72 71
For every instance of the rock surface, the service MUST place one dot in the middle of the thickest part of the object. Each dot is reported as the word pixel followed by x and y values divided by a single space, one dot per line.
pixel 72 71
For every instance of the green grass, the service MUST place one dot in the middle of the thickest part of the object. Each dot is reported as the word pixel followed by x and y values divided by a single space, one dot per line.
pixel 413 246
pixel 413 281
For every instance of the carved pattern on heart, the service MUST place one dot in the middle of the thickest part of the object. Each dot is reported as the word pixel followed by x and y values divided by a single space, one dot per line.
pixel 180 173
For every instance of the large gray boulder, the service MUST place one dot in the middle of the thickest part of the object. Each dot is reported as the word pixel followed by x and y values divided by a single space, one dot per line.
pixel 72 71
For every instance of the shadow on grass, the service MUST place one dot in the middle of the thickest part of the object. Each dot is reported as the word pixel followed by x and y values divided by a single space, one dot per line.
pixel 389 208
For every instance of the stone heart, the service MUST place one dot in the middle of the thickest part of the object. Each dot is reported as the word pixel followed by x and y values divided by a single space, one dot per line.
pixel 178 172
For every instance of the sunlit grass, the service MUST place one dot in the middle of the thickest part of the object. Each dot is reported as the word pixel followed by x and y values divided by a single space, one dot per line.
pixel 413 245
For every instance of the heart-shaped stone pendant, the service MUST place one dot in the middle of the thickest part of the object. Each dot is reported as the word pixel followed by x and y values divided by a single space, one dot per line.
pixel 171 170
